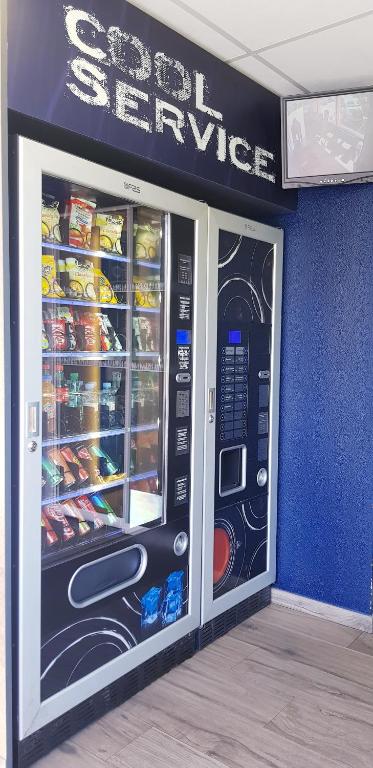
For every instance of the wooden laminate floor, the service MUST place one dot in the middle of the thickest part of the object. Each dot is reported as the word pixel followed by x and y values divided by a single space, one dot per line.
pixel 282 690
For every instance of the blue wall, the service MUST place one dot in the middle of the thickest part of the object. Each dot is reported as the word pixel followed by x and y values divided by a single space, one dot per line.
pixel 325 477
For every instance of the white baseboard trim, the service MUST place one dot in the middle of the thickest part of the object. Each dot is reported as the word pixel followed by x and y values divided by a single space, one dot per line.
pixel 322 610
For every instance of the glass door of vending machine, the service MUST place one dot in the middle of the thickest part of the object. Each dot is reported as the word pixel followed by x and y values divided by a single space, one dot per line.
pixel 242 382
pixel 110 465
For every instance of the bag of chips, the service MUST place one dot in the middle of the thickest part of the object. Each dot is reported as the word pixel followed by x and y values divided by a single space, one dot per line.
pixel 145 293
pixel 105 292
pixel 81 280
pixel 80 213
pixel 50 219
pixel 111 225
pixel 147 241
pixel 49 284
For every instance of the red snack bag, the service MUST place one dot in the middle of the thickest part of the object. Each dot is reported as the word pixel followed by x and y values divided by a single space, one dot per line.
pixel 55 512
pixel 90 513
pixel 72 510
pixel 74 464
pixel 50 537
pixel 88 332
pixel 55 328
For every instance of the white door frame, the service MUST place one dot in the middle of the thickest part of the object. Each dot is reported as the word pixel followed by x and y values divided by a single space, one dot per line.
pixel 5 427
pixel 248 228
pixel 33 160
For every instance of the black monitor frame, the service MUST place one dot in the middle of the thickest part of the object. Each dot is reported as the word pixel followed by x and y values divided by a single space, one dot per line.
pixel 358 177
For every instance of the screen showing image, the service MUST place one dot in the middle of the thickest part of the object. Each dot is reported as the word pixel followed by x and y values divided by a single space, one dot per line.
pixel 330 135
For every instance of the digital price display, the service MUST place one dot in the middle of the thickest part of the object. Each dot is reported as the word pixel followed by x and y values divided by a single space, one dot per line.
pixel 183 337
pixel 234 337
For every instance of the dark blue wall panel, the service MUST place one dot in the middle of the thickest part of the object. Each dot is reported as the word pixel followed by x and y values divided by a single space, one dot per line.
pixel 325 478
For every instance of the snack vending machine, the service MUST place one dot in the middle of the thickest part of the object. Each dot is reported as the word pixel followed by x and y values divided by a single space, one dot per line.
pixel 111 305
pixel 242 375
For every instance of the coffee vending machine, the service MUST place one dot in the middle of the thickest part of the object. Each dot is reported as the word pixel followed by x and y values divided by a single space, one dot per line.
pixel 242 411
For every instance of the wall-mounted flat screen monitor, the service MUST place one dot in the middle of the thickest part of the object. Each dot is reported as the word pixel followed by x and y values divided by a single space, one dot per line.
pixel 327 139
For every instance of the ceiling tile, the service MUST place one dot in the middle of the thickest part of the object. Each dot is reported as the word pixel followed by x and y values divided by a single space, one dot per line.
pixel 258 23
pixel 258 71
pixel 191 27
pixel 334 59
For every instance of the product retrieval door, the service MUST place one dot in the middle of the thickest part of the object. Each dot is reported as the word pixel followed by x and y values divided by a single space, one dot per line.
pixel 111 355
pixel 242 388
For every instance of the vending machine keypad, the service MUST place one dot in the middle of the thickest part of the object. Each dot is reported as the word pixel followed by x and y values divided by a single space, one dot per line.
pixel 234 387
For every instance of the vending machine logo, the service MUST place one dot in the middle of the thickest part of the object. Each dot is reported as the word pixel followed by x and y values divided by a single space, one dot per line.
pixel 153 92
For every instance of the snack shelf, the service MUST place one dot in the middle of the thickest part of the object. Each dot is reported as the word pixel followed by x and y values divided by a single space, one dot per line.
pixel 145 427
pixel 84 491
pixel 87 490
pixel 146 354
pixel 86 355
pixel 149 264
pixel 83 436
pixel 97 435
pixel 142 476
pixel 80 303
pixel 94 540
pixel 84 252
pixel 153 310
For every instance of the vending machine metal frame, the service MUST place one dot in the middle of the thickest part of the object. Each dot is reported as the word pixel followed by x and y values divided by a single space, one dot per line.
pixel 219 220
pixel 34 160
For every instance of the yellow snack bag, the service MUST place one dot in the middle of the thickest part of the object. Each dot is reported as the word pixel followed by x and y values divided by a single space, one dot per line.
pixel 111 225
pixel 105 291
pixel 80 280
pixel 49 284
pixel 146 293
pixel 147 241
pixel 50 219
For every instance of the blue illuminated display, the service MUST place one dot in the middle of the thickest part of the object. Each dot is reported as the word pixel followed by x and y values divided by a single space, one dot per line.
pixel 183 337
pixel 234 337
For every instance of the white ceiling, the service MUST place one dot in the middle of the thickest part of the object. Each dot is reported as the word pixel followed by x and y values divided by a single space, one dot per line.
pixel 290 46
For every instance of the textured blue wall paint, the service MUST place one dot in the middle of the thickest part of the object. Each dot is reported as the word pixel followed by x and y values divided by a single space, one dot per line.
pixel 325 472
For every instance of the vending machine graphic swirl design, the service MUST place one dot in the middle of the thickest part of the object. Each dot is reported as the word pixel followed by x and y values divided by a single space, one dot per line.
pixel 241 399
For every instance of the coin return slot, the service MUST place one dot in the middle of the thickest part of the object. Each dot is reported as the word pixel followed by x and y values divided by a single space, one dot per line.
pixel 232 470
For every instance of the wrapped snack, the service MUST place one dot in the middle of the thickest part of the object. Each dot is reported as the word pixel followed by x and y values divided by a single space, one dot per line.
pixel 85 504
pixel 143 334
pixel 80 280
pixel 50 219
pixel 80 214
pixel 55 513
pixel 103 505
pixel 145 294
pixel 90 463
pixel 65 313
pixel 105 292
pixel 55 328
pixel 49 283
pixel 49 536
pixel 87 331
pixel 71 509
pixel 109 338
pixel 147 240
pixel 81 475
pixel 111 225
pixel 44 339
pixel 54 454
